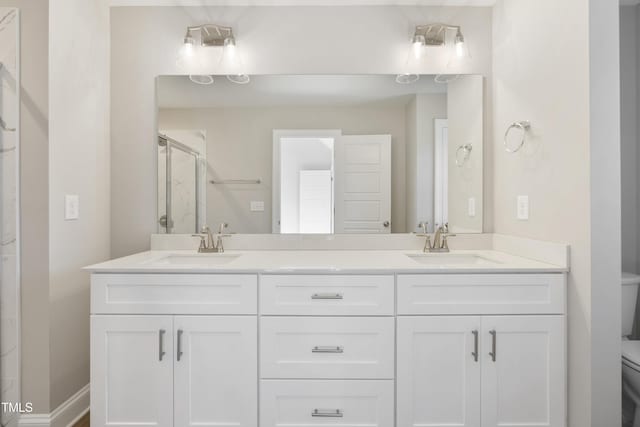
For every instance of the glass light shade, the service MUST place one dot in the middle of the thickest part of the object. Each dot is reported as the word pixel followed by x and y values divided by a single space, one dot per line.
pixel 405 79
pixel 231 63
pixel 201 79
pixel 417 46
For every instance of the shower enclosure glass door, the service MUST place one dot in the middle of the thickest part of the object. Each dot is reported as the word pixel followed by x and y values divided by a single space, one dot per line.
pixel 9 213
pixel 181 181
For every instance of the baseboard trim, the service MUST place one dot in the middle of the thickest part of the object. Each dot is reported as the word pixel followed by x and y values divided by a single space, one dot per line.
pixel 65 415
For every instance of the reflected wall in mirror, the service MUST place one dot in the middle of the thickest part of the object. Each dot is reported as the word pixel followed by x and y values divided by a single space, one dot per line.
pixel 320 154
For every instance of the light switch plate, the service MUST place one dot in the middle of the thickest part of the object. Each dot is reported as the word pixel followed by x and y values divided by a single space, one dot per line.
pixel 71 207
pixel 257 206
pixel 471 206
pixel 523 208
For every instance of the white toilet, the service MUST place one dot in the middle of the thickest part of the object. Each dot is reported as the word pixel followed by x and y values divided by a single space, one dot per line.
pixel 630 349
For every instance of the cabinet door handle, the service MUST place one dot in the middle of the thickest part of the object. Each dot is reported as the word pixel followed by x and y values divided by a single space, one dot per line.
pixel 326 296
pixel 474 353
pixel 493 345
pixel 179 346
pixel 327 349
pixel 327 413
pixel 161 351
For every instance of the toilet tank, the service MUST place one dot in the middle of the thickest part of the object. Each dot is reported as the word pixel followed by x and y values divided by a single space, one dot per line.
pixel 630 284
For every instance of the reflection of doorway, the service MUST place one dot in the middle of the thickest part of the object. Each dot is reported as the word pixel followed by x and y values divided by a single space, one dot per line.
pixel 303 169
pixel 324 182
pixel 441 173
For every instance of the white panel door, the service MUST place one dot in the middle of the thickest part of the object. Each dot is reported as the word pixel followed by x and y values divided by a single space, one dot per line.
pixel 131 371
pixel 523 374
pixel 316 202
pixel 216 371
pixel 438 377
pixel 363 184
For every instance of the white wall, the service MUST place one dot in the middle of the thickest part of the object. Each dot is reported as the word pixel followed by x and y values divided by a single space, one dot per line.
pixel 79 153
pixel 466 126
pixel 568 89
pixel 145 42
pixel 629 48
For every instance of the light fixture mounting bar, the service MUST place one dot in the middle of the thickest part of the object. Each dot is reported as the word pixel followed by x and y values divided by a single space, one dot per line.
pixel 434 34
pixel 211 34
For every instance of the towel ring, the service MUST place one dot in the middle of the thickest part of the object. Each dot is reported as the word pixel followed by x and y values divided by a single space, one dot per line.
pixel 466 149
pixel 524 126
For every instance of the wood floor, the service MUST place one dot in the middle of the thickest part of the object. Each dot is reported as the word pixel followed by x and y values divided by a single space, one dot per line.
pixel 83 422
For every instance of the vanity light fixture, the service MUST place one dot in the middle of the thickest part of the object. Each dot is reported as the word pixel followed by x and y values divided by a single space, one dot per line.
pixel 435 35
pixel 194 52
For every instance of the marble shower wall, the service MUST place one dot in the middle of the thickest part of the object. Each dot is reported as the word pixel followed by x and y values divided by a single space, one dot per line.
pixel 9 231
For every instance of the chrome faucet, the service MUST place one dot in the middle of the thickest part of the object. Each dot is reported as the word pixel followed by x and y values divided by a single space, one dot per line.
pixel 207 244
pixel 440 243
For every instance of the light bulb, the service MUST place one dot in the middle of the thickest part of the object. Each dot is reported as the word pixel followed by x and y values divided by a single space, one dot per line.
pixel 187 55
pixel 417 44
pixel 460 45
pixel 231 63
pixel 230 53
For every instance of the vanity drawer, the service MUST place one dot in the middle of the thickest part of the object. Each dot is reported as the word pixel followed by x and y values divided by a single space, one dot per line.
pixel 326 403
pixel 174 294
pixel 327 295
pixel 327 347
pixel 481 294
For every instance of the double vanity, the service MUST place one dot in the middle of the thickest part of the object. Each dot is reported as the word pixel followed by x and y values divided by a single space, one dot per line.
pixel 328 337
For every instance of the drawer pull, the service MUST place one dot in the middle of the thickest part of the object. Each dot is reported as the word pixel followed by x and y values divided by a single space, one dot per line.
pixel 326 296
pixel 328 413
pixel 327 349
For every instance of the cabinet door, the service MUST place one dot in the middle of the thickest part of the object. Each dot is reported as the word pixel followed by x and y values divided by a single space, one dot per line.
pixel 216 371
pixel 131 371
pixel 523 374
pixel 438 377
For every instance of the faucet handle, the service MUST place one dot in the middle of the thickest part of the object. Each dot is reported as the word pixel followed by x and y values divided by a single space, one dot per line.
pixel 445 244
pixel 203 244
pixel 222 226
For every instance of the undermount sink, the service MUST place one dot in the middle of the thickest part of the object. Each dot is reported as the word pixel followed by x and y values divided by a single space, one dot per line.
pixel 449 259
pixel 199 259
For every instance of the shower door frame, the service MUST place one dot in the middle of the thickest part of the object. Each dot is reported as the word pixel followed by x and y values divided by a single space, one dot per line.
pixel 171 143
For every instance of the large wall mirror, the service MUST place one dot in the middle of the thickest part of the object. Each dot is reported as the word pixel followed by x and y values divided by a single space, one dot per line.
pixel 320 154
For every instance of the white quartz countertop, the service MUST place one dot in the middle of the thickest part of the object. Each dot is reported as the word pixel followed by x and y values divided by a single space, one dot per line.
pixel 326 261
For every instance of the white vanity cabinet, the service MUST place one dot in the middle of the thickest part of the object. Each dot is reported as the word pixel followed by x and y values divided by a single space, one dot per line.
pixel 375 350
pixel 474 369
pixel 174 369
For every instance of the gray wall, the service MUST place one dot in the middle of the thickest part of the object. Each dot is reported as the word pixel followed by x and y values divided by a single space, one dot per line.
pixel 64 150
pixel 568 88
pixel 78 164
pixel 630 121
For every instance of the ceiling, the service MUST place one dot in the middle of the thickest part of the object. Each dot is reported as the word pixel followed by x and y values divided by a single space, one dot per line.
pixel 301 2
pixel 298 90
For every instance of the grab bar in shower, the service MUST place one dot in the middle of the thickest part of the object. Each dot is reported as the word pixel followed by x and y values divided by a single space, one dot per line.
pixel 236 181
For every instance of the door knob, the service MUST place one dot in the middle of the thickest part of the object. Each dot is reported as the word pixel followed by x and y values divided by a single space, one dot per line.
pixel 386 224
